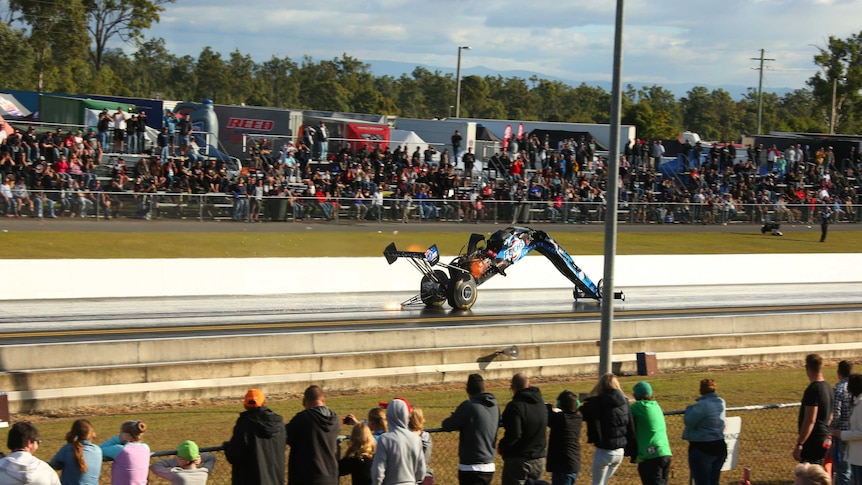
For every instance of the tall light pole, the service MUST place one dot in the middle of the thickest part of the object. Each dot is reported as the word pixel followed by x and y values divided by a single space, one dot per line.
pixel 458 85
pixel 834 93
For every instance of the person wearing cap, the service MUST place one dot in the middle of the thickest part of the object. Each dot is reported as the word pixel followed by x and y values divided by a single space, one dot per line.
pixel 564 442
pixel 130 454
pixel 313 438
pixel 190 467
pixel 399 458
pixel 22 466
pixel 653 455
pixel 256 448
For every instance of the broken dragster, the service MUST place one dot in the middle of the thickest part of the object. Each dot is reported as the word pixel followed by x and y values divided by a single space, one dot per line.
pixel 483 259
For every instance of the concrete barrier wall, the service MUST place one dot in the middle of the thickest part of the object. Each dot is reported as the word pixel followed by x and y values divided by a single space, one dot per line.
pixel 129 278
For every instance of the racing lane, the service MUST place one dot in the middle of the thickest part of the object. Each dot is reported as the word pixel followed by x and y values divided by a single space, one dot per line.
pixel 33 322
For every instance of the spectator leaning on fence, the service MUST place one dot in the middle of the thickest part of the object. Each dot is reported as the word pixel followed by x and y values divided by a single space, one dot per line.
pixel 523 445
pixel 564 442
pixel 313 438
pixel 79 460
pixel 359 455
pixel 256 448
pixel 130 454
pixel 190 467
pixel 22 466
pixel 477 420
pixel 653 449
pixel 704 430
pixel 399 458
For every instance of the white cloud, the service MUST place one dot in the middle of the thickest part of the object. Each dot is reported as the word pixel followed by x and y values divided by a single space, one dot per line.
pixel 699 41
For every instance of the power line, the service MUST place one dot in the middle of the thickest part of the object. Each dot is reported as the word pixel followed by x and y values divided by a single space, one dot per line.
pixel 760 85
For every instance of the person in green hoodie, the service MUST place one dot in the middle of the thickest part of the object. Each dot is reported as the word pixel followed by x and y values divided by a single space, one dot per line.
pixel 653 456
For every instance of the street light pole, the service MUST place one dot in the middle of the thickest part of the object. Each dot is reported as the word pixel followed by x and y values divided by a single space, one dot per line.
pixel 458 82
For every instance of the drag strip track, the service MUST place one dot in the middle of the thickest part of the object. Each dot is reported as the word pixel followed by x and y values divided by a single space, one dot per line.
pixel 23 323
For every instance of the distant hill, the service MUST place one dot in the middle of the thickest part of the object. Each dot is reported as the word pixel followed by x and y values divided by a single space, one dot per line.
pixel 396 69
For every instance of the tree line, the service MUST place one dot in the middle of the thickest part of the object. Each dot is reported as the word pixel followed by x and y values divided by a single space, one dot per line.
pixel 61 46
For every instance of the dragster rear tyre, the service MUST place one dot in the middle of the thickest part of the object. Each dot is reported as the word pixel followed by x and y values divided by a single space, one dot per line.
pixel 434 293
pixel 462 292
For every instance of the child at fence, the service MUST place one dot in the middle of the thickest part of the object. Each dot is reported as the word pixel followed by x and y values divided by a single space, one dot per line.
pixel 130 454
pixel 360 453
pixel 190 467
pixel 79 460
pixel 416 424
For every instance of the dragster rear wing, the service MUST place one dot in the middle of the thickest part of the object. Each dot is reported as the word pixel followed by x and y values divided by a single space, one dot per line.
pixel 430 255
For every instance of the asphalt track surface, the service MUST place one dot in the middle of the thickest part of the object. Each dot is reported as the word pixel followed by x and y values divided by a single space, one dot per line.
pixel 104 319
pixel 352 226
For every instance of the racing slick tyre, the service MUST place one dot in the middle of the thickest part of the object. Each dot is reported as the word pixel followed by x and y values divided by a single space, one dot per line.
pixel 462 292
pixel 434 293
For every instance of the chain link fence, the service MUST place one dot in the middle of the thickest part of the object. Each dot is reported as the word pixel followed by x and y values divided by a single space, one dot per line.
pixel 765 446
pixel 462 207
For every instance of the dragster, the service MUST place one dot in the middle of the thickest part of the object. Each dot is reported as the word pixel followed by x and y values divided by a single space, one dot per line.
pixel 482 260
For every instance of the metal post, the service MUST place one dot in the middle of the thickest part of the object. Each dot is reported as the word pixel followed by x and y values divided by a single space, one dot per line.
pixel 458 82
pixel 612 194
pixel 834 92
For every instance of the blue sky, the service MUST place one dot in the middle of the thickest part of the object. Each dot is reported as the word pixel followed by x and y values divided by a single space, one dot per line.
pixel 666 41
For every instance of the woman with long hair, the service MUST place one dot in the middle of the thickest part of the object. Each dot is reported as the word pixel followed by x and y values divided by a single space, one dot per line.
pixel 416 424
pixel 606 412
pixel 79 460
pixel 359 455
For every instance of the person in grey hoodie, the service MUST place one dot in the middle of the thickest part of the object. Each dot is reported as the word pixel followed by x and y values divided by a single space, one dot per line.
pixel 313 438
pixel 477 420
pixel 21 466
pixel 399 459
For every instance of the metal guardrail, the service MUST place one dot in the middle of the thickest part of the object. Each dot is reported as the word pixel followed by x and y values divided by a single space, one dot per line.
pixel 225 206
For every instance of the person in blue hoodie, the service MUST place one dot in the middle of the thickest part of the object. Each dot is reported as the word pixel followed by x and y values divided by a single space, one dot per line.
pixel 524 442
pixel 399 459
pixel 477 420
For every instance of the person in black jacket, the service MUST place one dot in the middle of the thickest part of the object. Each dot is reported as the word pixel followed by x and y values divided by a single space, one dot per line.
pixel 313 438
pixel 523 443
pixel 477 419
pixel 256 449
pixel 608 418
pixel 564 443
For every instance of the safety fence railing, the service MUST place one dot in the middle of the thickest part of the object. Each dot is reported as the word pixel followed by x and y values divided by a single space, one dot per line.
pixel 464 206
pixel 763 440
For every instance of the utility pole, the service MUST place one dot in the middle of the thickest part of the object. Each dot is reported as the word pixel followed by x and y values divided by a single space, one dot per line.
pixel 760 86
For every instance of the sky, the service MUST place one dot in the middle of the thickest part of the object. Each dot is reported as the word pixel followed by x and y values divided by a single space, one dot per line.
pixel 706 42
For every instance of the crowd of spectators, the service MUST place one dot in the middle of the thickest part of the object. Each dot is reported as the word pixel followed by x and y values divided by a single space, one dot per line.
pixel 57 173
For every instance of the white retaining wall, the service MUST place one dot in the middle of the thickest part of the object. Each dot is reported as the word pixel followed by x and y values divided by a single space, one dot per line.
pixel 128 278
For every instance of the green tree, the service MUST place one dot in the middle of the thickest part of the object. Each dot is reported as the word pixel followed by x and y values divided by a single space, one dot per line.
pixel 56 34
pixel 280 86
pixel 16 59
pixel 125 19
pixel 212 77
